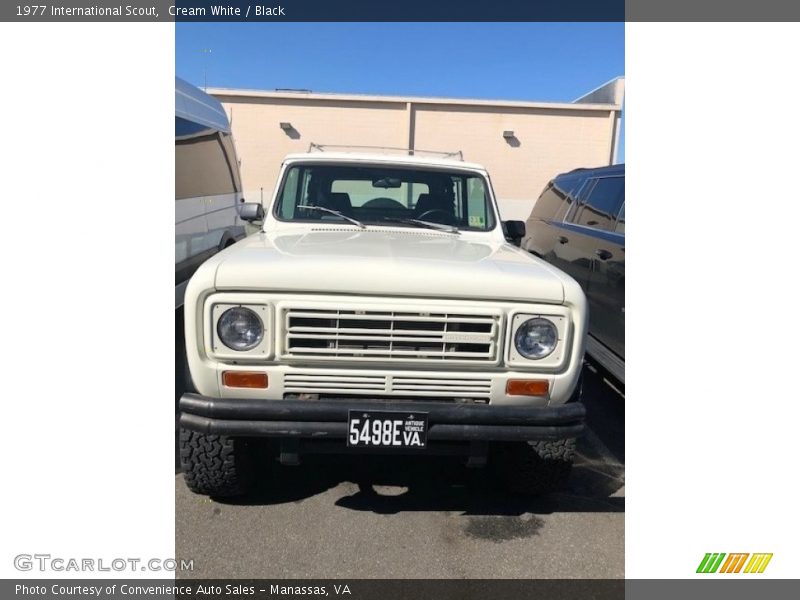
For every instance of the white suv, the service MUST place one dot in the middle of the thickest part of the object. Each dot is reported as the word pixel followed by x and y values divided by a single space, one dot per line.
pixel 381 308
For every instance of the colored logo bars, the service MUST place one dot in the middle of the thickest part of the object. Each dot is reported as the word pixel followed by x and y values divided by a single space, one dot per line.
pixel 713 563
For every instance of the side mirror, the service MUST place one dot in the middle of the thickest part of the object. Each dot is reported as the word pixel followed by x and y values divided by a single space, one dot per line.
pixel 514 231
pixel 251 211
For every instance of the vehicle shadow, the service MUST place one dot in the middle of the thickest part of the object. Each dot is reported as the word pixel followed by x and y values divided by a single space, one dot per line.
pixel 391 485
pixel 395 484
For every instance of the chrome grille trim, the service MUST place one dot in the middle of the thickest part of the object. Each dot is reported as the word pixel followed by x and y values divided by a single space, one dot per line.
pixel 417 385
pixel 441 386
pixel 316 383
pixel 395 336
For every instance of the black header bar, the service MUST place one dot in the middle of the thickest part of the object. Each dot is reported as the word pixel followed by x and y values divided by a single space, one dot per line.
pixel 400 10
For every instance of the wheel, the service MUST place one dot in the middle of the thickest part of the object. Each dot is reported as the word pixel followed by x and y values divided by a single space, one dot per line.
pixel 534 468
pixel 215 465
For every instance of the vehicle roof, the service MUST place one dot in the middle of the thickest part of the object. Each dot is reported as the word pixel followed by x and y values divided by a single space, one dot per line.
pixel 383 157
pixel 193 104
pixel 594 171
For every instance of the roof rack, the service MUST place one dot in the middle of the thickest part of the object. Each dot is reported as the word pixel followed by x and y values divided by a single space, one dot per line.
pixel 457 155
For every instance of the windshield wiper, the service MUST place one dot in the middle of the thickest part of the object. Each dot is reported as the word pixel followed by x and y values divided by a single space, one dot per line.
pixel 426 224
pixel 330 211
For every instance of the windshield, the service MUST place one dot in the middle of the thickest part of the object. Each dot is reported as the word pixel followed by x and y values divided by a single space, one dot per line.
pixel 378 195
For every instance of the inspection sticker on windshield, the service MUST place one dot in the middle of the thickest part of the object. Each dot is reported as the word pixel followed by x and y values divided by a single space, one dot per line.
pixel 387 429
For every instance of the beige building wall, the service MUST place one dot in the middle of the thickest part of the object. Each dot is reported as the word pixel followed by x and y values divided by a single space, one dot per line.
pixel 548 138
pixel 545 143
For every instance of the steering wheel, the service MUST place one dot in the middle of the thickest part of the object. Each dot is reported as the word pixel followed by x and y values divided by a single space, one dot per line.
pixel 383 202
pixel 445 218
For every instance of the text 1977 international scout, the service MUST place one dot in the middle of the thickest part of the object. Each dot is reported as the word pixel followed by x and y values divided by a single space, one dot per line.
pixel 381 309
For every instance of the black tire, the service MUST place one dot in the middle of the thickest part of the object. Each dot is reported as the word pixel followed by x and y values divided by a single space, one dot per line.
pixel 215 465
pixel 534 468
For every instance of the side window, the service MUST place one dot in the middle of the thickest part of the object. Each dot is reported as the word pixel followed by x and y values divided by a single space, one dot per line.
pixel 202 168
pixel 577 195
pixel 602 204
pixel 620 228
pixel 568 190
pixel 233 162
pixel 549 203
pixel 477 203
pixel 289 194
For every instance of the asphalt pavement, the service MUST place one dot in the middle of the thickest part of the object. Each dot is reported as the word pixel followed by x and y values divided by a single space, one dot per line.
pixel 415 517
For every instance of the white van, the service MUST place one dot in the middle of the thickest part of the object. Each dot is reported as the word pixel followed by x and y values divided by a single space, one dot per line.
pixel 208 188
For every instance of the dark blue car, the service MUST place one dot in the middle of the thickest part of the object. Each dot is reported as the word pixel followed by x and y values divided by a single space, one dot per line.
pixel 578 225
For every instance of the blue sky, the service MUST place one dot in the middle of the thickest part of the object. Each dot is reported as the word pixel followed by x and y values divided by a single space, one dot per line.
pixel 513 61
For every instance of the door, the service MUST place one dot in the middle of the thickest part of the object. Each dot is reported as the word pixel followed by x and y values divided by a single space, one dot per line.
pixel 574 243
pixel 606 288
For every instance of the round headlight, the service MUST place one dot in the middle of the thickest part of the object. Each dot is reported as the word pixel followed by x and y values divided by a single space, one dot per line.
pixel 240 328
pixel 536 338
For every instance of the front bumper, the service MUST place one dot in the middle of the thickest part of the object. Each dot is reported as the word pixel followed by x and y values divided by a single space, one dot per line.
pixel 320 420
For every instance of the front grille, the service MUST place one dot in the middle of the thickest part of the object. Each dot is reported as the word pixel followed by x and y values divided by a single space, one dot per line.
pixel 316 384
pixel 334 334
pixel 376 386
pixel 441 386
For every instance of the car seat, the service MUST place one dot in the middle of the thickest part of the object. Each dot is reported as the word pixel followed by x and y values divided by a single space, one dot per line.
pixel 428 202
pixel 338 201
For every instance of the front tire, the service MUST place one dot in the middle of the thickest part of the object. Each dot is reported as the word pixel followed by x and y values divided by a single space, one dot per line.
pixel 535 468
pixel 215 465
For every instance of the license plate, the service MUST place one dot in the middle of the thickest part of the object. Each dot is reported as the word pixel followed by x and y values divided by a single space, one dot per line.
pixel 386 429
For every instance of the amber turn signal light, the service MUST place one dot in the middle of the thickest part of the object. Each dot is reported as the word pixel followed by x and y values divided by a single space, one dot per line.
pixel 527 387
pixel 245 379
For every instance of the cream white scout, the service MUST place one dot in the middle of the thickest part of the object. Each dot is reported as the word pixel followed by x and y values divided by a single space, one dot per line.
pixel 380 308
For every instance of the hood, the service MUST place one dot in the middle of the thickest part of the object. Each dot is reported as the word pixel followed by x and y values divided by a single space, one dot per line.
pixel 382 262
